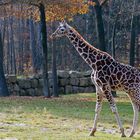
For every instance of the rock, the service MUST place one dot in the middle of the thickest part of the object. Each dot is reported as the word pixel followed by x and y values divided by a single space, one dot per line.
pixel 34 83
pixel 38 91
pixel 90 89
pixel 61 90
pixel 9 89
pixel 22 92
pixel 51 91
pixel 80 89
pixel 87 73
pixel 74 81
pixel 15 93
pixel 68 89
pixel 51 83
pixel 68 82
pixel 63 82
pixel 75 89
pixel 75 74
pixel 84 82
pixel 38 76
pixel 40 84
pixel 23 83
pixel 16 88
pixel 31 77
pixel 11 79
pixel 50 74
pixel 30 92
pixel 63 74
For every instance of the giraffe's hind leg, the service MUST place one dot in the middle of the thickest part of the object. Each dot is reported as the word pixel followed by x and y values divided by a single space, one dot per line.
pixel 135 119
pixel 114 110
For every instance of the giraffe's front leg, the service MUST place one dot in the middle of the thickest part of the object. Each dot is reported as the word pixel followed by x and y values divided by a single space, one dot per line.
pixel 114 110
pixel 97 112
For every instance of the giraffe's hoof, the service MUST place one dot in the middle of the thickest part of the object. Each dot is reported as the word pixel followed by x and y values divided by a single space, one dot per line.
pixel 132 133
pixel 92 132
pixel 122 132
pixel 123 135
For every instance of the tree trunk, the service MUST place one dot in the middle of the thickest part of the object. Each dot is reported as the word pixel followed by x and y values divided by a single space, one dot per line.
pixel 138 42
pixel 12 46
pixel 109 26
pixel 132 44
pixel 8 53
pixel 133 38
pixel 113 46
pixel 4 30
pixel 21 44
pixel 90 23
pixel 45 50
pixel 54 71
pixel 33 45
pixel 39 48
pixel 3 85
pixel 114 35
pixel 100 26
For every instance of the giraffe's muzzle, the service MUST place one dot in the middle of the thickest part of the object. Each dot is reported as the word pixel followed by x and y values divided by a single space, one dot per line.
pixel 52 36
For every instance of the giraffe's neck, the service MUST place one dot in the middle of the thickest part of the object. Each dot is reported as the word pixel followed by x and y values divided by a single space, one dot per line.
pixel 89 53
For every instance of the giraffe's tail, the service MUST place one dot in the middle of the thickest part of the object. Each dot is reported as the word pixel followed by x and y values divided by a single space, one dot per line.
pixel 135 98
pixel 136 101
pixel 138 105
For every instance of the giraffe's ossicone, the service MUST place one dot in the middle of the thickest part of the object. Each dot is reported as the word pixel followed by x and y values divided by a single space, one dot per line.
pixel 107 75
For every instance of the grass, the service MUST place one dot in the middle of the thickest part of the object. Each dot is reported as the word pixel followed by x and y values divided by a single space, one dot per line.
pixel 69 117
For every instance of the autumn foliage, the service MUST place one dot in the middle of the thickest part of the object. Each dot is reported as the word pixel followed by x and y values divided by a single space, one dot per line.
pixel 55 10
pixel 64 10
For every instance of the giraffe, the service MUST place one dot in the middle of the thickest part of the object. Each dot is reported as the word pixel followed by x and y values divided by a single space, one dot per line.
pixel 107 75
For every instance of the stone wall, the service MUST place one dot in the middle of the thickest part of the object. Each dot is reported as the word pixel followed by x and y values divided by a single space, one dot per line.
pixel 68 82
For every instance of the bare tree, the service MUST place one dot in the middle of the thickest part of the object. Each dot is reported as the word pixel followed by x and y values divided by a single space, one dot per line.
pixel 3 85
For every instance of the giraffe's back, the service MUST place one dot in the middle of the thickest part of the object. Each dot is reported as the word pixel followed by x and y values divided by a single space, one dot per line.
pixel 119 76
pixel 125 77
pixel 130 77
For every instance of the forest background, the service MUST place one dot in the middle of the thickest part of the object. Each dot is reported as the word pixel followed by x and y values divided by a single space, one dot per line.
pixel 115 23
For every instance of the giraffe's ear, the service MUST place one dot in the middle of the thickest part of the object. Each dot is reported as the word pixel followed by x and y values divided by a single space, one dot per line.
pixel 60 23
pixel 64 22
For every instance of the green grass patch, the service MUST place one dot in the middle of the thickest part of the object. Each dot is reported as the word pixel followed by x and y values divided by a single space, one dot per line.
pixel 69 117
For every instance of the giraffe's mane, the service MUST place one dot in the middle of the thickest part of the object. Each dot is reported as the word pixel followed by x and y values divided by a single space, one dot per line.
pixel 88 44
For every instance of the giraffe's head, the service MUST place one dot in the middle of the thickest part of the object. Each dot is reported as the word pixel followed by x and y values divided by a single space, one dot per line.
pixel 61 30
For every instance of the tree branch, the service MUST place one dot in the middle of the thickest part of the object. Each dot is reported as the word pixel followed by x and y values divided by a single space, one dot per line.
pixel 3 4
pixel 103 2
pixel 34 4
pixel 100 3
pixel 30 3
pixel 96 1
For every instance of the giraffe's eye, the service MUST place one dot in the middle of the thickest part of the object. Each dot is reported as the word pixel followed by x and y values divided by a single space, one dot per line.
pixel 62 30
